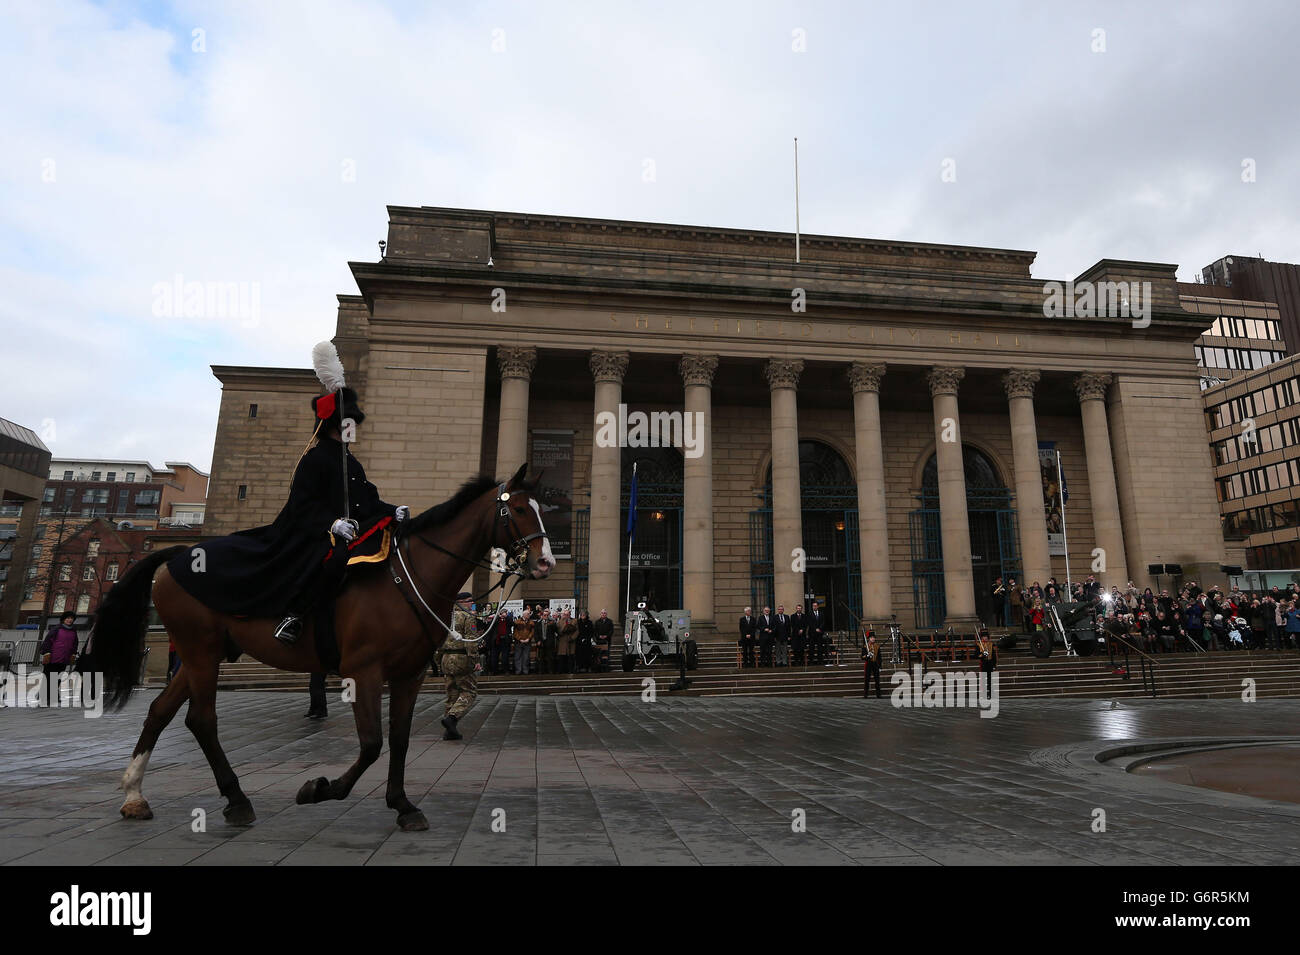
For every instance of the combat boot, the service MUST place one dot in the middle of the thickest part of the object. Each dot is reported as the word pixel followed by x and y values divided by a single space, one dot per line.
pixel 449 723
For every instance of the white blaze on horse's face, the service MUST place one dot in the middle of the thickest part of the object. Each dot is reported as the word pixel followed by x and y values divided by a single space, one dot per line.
pixel 543 565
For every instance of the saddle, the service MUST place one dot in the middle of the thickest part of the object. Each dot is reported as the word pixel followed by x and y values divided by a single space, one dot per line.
pixel 373 544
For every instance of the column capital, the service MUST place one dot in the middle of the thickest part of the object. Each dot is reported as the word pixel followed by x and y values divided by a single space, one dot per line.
pixel 1092 385
pixel 698 369
pixel 945 379
pixel 516 362
pixel 609 365
pixel 866 375
pixel 783 372
pixel 1020 382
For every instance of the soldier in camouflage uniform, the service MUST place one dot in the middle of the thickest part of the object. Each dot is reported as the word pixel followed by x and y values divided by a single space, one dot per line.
pixel 457 659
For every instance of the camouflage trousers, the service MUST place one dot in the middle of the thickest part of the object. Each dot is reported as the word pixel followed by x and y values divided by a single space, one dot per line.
pixel 460 681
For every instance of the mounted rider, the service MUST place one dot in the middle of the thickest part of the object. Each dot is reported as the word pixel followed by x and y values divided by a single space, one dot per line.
pixel 289 566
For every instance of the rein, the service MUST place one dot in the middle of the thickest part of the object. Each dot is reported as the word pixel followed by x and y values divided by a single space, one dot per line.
pixel 516 555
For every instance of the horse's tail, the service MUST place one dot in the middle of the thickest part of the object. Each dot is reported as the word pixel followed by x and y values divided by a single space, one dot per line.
pixel 117 640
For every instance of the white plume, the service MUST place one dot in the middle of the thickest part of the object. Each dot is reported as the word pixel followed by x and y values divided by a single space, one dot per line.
pixel 325 359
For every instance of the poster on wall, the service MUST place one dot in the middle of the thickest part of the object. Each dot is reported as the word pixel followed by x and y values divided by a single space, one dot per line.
pixel 553 454
pixel 515 607
pixel 1051 498
pixel 559 604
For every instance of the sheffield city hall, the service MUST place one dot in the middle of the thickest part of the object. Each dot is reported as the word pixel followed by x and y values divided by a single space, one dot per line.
pixel 879 422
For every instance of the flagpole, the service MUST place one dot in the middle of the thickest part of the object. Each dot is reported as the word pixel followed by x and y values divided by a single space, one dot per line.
pixel 796 200
pixel 632 503
pixel 627 597
pixel 1060 490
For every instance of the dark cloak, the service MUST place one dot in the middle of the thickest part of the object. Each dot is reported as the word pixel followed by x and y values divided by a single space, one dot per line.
pixel 263 572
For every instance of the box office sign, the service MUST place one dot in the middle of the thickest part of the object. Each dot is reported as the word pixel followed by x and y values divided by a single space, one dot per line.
pixel 553 454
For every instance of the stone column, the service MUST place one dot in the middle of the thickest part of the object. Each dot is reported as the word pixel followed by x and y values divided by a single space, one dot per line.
pixel 873 515
pixel 603 591
pixel 787 516
pixel 954 525
pixel 697 492
pixel 1035 563
pixel 516 366
pixel 1107 530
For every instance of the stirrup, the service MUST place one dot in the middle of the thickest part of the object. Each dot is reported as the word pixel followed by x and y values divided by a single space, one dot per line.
pixel 289 630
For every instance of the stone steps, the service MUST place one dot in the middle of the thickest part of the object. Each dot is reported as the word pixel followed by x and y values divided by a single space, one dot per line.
pixel 1178 675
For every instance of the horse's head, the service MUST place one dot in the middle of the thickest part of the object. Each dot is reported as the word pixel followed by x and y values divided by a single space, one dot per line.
pixel 520 525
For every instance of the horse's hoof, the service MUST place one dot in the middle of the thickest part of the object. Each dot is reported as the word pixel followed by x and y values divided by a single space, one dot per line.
pixel 240 814
pixel 412 822
pixel 314 790
pixel 136 809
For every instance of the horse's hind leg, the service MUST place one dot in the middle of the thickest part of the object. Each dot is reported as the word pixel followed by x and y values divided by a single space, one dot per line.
pixel 401 704
pixel 161 711
pixel 367 712
pixel 202 721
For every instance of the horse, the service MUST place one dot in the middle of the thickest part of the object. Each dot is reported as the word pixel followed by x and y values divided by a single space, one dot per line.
pixel 390 617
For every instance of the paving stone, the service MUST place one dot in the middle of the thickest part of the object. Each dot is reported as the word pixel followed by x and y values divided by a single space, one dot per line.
pixel 612 780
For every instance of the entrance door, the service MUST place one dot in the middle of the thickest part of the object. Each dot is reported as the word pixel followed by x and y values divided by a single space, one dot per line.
pixel 828 585
pixel 986 564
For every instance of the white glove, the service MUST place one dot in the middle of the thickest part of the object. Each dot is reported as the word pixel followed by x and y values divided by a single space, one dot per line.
pixel 344 528
pixel 402 513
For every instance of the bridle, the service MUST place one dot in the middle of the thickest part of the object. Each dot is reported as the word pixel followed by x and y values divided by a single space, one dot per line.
pixel 510 569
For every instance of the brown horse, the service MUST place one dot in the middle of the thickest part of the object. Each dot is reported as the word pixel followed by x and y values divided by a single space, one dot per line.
pixel 388 621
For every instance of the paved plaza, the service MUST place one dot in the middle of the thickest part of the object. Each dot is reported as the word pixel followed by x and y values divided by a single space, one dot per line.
pixel 613 780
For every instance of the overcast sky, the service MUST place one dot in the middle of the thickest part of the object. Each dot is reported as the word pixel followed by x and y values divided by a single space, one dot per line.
pixel 264 148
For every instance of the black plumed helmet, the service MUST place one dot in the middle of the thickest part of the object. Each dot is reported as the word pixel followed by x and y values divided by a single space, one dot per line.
pixel 325 408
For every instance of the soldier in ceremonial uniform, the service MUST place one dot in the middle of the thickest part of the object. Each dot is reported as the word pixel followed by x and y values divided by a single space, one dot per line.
pixel 457 658
pixel 296 564
pixel 871 665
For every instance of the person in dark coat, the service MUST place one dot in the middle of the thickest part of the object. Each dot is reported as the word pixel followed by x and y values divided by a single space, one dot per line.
pixel 815 632
pixel 604 628
pixel 586 642
pixel 286 567
pixel 797 631
pixel 748 637
pixel 766 637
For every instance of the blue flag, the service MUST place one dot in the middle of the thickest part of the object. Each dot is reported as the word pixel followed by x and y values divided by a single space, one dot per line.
pixel 631 509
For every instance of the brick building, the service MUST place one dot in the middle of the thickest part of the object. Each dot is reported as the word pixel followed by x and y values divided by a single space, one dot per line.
pixel 125 495
pixel 888 411
pixel 95 555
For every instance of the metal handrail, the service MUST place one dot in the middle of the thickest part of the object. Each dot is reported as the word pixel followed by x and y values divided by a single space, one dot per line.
pixel 1147 664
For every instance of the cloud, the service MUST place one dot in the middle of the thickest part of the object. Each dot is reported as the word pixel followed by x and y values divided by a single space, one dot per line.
pixel 268 158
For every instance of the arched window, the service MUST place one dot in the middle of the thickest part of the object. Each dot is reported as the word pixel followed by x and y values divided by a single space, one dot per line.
pixel 824 477
pixel 984 484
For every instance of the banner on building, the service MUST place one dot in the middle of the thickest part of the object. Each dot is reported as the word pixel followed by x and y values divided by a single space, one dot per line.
pixel 559 604
pixel 553 453
pixel 515 607
pixel 1052 494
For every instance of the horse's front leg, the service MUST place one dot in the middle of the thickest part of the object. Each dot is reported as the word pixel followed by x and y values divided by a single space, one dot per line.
pixel 367 711
pixel 401 705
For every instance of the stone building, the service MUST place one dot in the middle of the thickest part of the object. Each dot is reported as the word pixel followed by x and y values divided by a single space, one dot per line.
pixel 878 422
pixel 24 461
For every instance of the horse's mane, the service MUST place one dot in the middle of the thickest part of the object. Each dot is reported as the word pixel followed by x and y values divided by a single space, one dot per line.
pixel 441 513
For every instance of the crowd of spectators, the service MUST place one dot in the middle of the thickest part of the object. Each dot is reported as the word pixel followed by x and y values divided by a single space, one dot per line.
pixel 1191 619
pixel 539 640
